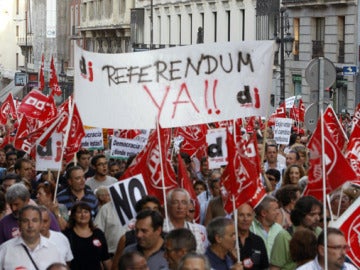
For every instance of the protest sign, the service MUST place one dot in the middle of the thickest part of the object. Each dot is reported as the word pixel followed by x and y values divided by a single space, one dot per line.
pixel 282 130
pixel 217 150
pixel 125 194
pixel 289 102
pixel 93 139
pixel 180 86
pixel 124 148
pixel 49 157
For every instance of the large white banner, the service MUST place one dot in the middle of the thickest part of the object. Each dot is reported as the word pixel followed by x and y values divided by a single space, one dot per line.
pixel 181 86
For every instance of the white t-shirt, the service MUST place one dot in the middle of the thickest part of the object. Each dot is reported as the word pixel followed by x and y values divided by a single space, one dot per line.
pixel 62 243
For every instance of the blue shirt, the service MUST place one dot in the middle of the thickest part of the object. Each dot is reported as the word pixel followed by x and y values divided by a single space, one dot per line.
pixel 218 263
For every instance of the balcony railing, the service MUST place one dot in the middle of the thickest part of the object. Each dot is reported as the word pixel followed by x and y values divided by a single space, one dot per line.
pixel 25 41
pixel 290 3
pixel 341 56
pixel 317 48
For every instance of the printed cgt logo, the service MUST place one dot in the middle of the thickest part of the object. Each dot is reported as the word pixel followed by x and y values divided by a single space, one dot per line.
pixel 354 240
pixel 86 69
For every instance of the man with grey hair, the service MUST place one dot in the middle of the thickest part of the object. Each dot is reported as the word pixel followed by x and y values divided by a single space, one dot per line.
pixel 264 224
pixel 222 251
pixel 178 243
pixel 178 202
pixel 194 261
pixel 17 197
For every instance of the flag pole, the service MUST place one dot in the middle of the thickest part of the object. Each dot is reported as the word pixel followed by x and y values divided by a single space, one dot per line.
pixel 162 171
pixel 323 161
pixel 68 127
pixel 236 229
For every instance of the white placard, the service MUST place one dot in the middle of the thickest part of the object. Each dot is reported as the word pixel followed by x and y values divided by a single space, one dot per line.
pixel 282 130
pixel 124 148
pixel 49 157
pixel 180 86
pixel 217 149
pixel 93 139
pixel 124 195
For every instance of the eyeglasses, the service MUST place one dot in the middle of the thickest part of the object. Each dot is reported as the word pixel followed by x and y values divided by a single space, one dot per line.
pixel 339 247
pixel 192 210
pixel 102 164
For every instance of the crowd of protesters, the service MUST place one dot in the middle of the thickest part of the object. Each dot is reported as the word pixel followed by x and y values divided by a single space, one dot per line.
pixel 75 225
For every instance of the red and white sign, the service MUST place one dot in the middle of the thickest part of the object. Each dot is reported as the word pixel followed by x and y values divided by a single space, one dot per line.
pixel 217 149
pixel 49 157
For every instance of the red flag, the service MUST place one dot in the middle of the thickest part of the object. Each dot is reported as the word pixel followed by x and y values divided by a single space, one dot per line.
pixel 280 112
pixel 255 170
pixel 129 133
pixel 349 224
pixel 237 177
pixel 76 133
pixel 38 106
pixel 41 75
pixel 185 182
pixel 250 125
pixel 147 163
pixel 335 128
pixel 352 152
pixel 53 82
pixel 338 169
pixel 294 113
pixel 194 138
pixel 301 111
pixel 356 118
pixel 7 109
pixel 21 142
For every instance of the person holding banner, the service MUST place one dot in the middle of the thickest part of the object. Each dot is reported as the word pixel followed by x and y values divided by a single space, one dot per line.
pixel 336 252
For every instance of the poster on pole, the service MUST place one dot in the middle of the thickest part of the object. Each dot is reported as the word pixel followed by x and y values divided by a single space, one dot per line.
pixel 180 86
pixel 282 130
pixel 217 149
pixel 49 157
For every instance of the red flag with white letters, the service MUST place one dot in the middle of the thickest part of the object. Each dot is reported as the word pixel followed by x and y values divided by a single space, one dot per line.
pixel 349 224
pixel 337 168
pixel 194 137
pixel 335 128
pixel 147 163
pixel 352 152
pixel 301 111
pixel 53 81
pixel 280 112
pixel 21 142
pixel 7 110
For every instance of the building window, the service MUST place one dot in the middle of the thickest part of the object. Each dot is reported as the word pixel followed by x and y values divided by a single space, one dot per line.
pixel 17 7
pixel 341 39
pixel 318 41
pixel 297 84
pixel 296 26
pixel 17 61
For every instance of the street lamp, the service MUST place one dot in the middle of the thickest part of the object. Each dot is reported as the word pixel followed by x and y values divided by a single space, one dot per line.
pixel 62 79
pixel 286 44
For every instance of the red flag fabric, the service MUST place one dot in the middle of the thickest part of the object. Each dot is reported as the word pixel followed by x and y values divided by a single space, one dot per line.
pixel 335 128
pixel 250 127
pixel 338 169
pixel 185 182
pixel 76 134
pixel 352 152
pixel 41 75
pixel 147 162
pixel 237 177
pixel 38 106
pixel 7 109
pixel 21 142
pixel 280 112
pixel 356 118
pixel 129 133
pixel 53 82
pixel 194 138
pixel 349 224
pixel 301 111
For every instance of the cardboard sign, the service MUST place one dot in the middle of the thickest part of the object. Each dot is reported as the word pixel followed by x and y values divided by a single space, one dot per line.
pixel 180 86
pixel 125 194
pixel 93 139
pixel 217 150
pixel 49 157
pixel 124 148
pixel 282 130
